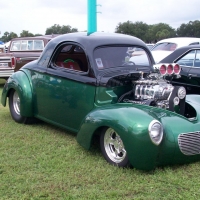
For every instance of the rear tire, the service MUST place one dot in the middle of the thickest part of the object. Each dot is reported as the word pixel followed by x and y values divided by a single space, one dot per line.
pixel 14 105
pixel 113 149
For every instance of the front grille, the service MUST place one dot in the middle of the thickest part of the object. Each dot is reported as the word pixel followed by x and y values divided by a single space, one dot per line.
pixel 189 143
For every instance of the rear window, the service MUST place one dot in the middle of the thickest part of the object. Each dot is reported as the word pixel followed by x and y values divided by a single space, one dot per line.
pixel 117 56
pixel 27 45
pixel 165 46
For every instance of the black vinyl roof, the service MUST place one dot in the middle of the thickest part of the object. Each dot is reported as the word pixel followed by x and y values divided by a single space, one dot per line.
pixel 178 53
pixel 98 39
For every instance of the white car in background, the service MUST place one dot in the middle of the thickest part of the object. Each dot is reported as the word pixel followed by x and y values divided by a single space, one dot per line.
pixel 165 47
pixel 150 46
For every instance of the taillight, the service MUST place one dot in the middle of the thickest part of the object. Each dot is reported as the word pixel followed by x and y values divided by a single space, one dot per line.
pixel 170 69
pixel 163 69
pixel 177 69
pixel 13 62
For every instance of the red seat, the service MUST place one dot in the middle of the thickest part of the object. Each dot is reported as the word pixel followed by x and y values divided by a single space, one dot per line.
pixel 70 65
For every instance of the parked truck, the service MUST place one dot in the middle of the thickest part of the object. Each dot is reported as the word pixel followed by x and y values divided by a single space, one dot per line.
pixel 21 51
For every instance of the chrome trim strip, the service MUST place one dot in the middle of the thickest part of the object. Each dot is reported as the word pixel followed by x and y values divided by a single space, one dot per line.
pixel 29 58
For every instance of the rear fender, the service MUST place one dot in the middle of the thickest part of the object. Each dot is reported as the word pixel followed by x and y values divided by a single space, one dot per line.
pixel 19 81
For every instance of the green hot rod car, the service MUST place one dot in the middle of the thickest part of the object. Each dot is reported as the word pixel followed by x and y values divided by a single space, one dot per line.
pixel 94 85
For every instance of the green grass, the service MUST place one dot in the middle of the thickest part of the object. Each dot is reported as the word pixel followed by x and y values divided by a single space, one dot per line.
pixel 41 161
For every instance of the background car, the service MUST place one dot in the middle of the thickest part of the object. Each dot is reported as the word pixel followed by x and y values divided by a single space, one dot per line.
pixel 150 46
pixel 1 47
pixel 165 47
pixel 6 46
pixel 20 51
pixel 88 85
pixel 188 58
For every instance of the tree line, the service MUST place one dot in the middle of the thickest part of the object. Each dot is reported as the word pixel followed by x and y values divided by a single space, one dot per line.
pixel 156 32
pixel 147 33
pixel 55 29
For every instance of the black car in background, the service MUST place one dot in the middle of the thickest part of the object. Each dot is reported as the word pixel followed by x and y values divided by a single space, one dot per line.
pixel 188 58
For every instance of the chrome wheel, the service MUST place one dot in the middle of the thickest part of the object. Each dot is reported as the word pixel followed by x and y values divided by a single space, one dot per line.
pixel 114 146
pixel 16 103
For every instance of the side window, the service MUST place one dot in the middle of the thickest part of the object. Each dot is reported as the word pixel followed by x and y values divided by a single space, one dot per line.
pixel 71 57
pixel 24 45
pixel 188 59
pixel 38 45
pixel 15 46
pixel 197 60
pixel 30 45
pixel 27 45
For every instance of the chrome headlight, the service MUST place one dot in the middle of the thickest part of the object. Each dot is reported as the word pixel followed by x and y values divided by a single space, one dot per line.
pixel 156 132
pixel 181 93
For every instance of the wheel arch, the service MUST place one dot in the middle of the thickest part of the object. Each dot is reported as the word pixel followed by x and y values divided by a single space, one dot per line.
pixel 20 82
pixel 131 124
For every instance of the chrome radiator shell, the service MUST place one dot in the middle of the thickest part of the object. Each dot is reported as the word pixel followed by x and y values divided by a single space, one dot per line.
pixel 189 143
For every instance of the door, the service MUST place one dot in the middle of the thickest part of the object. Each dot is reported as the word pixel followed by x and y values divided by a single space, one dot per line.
pixel 65 93
pixel 190 73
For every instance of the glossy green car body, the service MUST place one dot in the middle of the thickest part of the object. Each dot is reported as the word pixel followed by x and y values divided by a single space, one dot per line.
pixel 87 101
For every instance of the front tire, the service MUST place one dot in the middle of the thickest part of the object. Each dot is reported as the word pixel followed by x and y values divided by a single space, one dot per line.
pixel 113 149
pixel 14 105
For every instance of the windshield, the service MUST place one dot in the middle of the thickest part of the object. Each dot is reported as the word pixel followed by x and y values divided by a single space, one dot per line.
pixel 117 56
pixel 165 46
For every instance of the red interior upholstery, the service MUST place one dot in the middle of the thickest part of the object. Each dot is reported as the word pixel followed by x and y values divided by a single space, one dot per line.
pixel 72 65
pixel 80 59
pixel 69 65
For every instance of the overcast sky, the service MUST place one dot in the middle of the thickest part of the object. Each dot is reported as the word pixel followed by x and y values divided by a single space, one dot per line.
pixel 38 15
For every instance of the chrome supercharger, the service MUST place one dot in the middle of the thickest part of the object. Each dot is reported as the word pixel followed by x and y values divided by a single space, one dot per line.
pixel 154 90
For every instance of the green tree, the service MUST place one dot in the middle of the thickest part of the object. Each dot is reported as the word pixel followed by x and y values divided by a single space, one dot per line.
pixel 57 29
pixel 125 28
pixel 160 31
pixel 191 29
pixel 137 29
pixel 26 33
pixel 147 33
pixel 38 34
pixel 8 36
pixel 162 34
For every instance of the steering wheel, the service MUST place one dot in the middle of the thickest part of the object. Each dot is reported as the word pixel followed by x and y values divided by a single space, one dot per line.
pixel 128 63
pixel 68 60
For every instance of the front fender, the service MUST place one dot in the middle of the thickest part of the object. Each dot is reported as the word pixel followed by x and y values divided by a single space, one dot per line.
pixel 19 81
pixel 131 124
pixel 194 101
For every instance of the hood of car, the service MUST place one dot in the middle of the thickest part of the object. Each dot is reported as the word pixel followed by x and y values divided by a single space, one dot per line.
pixel 122 75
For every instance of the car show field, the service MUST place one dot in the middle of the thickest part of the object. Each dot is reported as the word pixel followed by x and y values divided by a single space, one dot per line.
pixel 41 161
pixel 91 86
pixel 100 113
